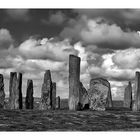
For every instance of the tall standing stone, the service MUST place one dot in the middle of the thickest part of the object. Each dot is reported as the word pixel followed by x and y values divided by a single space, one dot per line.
pixel 19 89
pixel 15 93
pixel 58 102
pixel 136 105
pixel 99 93
pixel 74 82
pixel 29 95
pixel 53 95
pixel 2 93
pixel 128 96
pixel 46 96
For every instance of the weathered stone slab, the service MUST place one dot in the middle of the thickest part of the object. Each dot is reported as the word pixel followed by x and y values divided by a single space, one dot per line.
pixel 2 93
pixel 19 89
pixel 29 101
pixel 58 102
pixel 46 96
pixel 99 93
pixel 74 76
pixel 84 100
pixel 128 96
pixel 15 91
pixel 13 104
pixel 136 105
pixel 53 95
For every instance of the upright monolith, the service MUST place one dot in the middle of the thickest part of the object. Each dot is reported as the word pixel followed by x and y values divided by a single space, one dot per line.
pixel 13 103
pixel 29 95
pixel 2 93
pixel 58 102
pixel 74 82
pixel 19 89
pixel 128 96
pixel 136 105
pixel 53 95
pixel 15 93
pixel 46 96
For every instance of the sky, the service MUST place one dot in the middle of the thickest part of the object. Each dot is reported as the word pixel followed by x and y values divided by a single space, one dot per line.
pixel 35 40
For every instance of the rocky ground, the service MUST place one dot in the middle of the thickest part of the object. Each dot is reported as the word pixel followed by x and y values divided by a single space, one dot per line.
pixel 116 119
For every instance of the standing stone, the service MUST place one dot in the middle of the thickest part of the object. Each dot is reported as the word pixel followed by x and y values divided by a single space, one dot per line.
pixel 15 93
pixel 13 98
pixel 29 95
pixel 84 101
pixel 53 95
pixel 99 93
pixel 46 96
pixel 19 89
pixel 136 105
pixel 74 82
pixel 128 96
pixel 2 93
pixel 58 102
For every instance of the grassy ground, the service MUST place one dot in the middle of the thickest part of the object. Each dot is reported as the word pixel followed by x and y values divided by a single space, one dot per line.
pixel 64 120
pixel 116 119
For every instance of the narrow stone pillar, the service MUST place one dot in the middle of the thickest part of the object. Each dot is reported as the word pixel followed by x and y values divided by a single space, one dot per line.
pixel 74 82
pixel 58 102
pixel 136 105
pixel 13 101
pixel 2 93
pixel 128 96
pixel 109 97
pixel 29 95
pixel 19 89
pixel 53 95
pixel 46 96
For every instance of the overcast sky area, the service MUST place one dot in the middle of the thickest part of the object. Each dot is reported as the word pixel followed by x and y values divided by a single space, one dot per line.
pixel 34 40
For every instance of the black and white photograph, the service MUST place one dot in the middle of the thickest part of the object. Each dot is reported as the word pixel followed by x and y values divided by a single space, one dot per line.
pixel 69 69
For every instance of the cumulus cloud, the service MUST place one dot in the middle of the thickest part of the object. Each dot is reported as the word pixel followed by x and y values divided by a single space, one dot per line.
pixel 18 14
pixel 46 49
pixel 102 34
pixel 5 39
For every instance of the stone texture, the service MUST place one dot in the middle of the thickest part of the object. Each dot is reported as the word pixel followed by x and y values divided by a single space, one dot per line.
pixel 84 101
pixel 53 95
pixel 136 105
pixel 15 93
pixel 128 96
pixel 58 102
pixel 74 82
pixel 2 93
pixel 99 93
pixel 29 101
pixel 46 96
pixel 19 89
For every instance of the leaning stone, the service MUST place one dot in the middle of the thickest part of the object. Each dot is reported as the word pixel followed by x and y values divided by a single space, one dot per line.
pixel 46 96
pixel 29 95
pixel 136 105
pixel 128 96
pixel 58 102
pixel 2 93
pixel 53 95
pixel 99 93
pixel 84 101
pixel 74 82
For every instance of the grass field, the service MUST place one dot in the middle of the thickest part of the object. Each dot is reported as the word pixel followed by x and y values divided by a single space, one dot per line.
pixel 116 119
